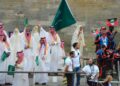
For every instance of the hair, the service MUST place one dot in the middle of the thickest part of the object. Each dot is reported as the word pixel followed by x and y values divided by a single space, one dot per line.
pixel 103 46
pixel 5 38
pixel 19 52
pixel 111 27
pixel 71 53
pixel 43 37
pixel 93 60
pixel 75 44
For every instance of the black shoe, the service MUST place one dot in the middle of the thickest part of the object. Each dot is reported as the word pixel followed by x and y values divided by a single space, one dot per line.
pixel 59 69
pixel 36 83
pixel 8 84
pixel 43 83
pixel 2 84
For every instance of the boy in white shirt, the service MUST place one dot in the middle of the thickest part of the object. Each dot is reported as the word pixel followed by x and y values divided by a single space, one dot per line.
pixel 69 68
pixel 76 61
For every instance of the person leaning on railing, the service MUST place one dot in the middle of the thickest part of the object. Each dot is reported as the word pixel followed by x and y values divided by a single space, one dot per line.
pixel 68 69
pixel 107 81
pixel 76 62
pixel 92 72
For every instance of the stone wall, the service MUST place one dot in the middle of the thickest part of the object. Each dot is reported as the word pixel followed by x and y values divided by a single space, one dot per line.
pixel 34 10
pixel 88 12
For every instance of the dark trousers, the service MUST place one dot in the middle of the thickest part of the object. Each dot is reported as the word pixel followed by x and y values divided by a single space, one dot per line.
pixel 77 69
pixel 91 83
pixel 112 45
pixel 70 79
pixel 116 60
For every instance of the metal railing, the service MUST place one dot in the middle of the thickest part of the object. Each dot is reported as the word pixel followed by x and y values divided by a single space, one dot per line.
pixel 57 74
pixel 51 74
pixel 62 73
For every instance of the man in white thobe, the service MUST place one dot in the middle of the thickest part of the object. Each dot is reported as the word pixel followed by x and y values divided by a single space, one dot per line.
pixel 44 33
pixel 36 36
pixel 16 44
pixel 43 54
pixel 6 41
pixel 5 34
pixel 3 63
pixel 62 56
pixel 54 42
pixel 29 50
pixel 21 79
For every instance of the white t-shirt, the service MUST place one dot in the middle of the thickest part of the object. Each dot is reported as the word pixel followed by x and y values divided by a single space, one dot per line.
pixel 91 70
pixel 68 62
pixel 76 59
pixel 109 84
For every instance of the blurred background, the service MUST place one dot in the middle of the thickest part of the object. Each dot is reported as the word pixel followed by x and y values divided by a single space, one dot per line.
pixel 90 13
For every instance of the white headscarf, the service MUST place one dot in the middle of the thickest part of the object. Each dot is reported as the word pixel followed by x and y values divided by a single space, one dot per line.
pixel 43 33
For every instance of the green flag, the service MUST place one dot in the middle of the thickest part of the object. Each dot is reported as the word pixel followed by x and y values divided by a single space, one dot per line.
pixel 11 70
pixel 4 56
pixel 37 60
pixel 25 22
pixel 63 17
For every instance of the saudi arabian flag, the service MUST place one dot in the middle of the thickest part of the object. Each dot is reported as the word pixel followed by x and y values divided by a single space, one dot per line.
pixel 11 70
pixel 25 22
pixel 4 56
pixel 37 60
pixel 63 17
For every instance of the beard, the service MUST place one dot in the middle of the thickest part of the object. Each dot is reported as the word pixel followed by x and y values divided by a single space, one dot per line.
pixel 90 64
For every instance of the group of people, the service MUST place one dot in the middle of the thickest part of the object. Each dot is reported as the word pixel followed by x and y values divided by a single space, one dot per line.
pixel 107 55
pixel 39 50
pixel 36 50
pixel 107 51
pixel 74 70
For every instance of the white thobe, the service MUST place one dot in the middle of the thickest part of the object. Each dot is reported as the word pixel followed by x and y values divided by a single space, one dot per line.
pixel 16 45
pixel 30 54
pixel 8 78
pixel 44 33
pixel 62 55
pixel 36 38
pixel 43 67
pixel 21 79
pixel 54 52
pixel 3 64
